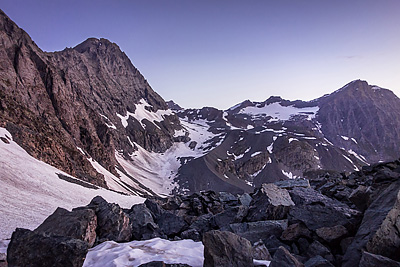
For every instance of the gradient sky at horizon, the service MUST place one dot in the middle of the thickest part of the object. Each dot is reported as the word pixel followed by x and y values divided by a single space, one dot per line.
pixel 222 52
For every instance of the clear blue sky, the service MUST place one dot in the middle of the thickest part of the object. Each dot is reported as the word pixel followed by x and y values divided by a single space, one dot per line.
pixel 221 52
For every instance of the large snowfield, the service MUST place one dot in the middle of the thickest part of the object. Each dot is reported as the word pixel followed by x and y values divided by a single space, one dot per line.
pixel 31 190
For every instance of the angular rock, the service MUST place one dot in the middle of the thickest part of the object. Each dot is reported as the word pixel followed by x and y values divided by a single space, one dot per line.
pixel 245 199
pixel 202 223
pixel 292 183
pixel 316 210
pixel 283 258
pixel 171 224
pixel 228 216
pixel 318 261
pixel 191 234
pixel 28 248
pixel 372 260
pixel 262 230
pixel 269 203
pixel 260 252
pixel 330 234
pixel 360 197
pixel 226 249
pixel 112 222
pixel 79 224
pixel 272 243
pixel 378 232
pixel 295 231
pixel 142 223
pixel 316 248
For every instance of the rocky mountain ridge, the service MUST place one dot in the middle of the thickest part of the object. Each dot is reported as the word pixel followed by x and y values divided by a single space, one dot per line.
pixel 279 139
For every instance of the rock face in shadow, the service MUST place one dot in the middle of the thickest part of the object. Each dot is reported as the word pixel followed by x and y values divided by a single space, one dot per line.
pixel 379 229
pixel 29 248
pixel 79 224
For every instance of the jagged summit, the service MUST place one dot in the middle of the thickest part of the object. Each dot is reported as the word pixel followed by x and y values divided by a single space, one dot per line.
pixel 95 43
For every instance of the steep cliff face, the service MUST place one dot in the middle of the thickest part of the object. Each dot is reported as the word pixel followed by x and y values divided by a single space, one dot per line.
pixel 80 105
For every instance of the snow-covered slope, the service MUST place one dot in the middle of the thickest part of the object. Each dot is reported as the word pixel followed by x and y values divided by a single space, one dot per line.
pixel 31 190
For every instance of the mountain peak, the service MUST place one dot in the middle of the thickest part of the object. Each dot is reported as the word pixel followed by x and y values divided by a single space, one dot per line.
pixel 93 43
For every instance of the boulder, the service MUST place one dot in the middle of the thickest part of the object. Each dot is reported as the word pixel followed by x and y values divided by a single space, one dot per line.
pixel 378 232
pixel 272 243
pixel 295 231
pixel 142 223
pixel 316 248
pixel 230 215
pixel 202 223
pixel 226 249
pixel 330 234
pixel 171 224
pixel 283 258
pixel 245 199
pixel 372 260
pixel 262 230
pixel 318 261
pixel 191 234
pixel 29 248
pixel 112 222
pixel 269 203
pixel 316 210
pixel 80 224
pixel 360 197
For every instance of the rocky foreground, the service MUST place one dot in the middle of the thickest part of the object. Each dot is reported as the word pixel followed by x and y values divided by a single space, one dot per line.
pixel 330 220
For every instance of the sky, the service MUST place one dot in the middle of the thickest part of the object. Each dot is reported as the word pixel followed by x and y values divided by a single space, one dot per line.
pixel 221 52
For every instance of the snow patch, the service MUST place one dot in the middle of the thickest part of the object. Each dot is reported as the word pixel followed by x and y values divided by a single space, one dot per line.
pixel 279 112
pixel 136 253
pixel 289 175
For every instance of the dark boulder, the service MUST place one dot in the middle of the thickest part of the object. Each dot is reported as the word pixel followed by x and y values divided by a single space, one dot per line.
pixel 142 223
pixel 80 224
pixel 262 230
pixel 318 261
pixel 28 248
pixel 226 249
pixel 372 260
pixel 269 203
pixel 283 258
pixel 171 224
pixel 295 231
pixel 316 248
pixel 112 222
pixel 316 210
pixel 330 234
pixel 378 232
pixel 230 215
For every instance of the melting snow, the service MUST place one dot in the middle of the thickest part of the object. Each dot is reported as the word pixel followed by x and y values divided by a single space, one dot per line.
pixel 279 112
pixel 293 139
pixel 344 137
pixel 136 253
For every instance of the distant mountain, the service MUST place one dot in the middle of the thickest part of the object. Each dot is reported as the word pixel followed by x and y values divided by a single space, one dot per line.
pixel 279 139
pixel 90 113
